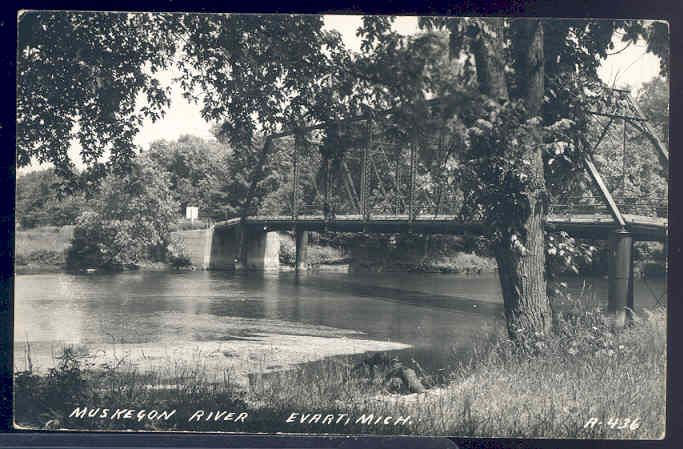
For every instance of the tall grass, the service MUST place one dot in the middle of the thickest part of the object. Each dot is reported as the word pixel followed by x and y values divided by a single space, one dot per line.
pixel 548 387
pixel 45 238
pixel 41 249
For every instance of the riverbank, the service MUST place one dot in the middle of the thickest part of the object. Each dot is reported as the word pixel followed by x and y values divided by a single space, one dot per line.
pixel 43 250
pixel 245 347
pixel 583 382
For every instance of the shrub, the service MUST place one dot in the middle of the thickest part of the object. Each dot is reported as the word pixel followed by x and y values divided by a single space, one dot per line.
pixel 130 220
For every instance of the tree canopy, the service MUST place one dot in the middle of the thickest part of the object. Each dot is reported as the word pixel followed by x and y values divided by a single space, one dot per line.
pixel 91 78
pixel 79 78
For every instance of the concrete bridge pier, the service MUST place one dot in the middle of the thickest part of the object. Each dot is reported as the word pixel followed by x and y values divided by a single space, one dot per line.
pixel 301 260
pixel 242 248
pixel 260 250
pixel 620 276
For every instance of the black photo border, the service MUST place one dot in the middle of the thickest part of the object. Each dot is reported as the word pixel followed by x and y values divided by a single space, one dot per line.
pixel 669 10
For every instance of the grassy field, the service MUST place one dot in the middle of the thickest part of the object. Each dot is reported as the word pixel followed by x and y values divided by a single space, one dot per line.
pixel 41 249
pixel 549 387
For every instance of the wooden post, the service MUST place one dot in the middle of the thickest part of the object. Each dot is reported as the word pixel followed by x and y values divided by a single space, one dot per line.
pixel 619 275
pixel 301 259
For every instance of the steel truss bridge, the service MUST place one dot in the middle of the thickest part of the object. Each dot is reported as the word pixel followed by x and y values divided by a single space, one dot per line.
pixel 386 183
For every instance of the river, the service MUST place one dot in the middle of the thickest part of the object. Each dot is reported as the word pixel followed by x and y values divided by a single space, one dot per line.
pixel 436 314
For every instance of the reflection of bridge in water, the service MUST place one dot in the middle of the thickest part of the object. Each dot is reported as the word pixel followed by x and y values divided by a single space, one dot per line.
pixel 377 185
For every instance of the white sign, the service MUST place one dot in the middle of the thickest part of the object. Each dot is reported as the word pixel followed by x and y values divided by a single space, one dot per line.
pixel 191 212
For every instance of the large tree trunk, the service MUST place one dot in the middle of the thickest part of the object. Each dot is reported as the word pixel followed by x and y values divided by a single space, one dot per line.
pixel 522 271
pixel 487 46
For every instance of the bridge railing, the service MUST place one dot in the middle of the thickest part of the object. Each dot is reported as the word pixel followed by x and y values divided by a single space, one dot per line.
pixel 644 205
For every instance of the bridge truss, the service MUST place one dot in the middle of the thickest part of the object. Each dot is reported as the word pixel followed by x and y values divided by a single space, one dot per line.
pixel 385 171
pixel 384 180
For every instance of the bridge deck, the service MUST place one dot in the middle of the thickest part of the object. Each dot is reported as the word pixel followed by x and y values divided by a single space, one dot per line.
pixel 593 226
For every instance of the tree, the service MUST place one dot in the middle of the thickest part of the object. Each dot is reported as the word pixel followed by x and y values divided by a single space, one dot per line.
pixel 128 223
pixel 193 165
pixel 40 201
pixel 253 172
pixel 533 112
pixel 79 76
pixel 653 100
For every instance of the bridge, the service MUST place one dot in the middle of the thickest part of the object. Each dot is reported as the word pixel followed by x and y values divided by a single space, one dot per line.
pixel 584 226
pixel 405 184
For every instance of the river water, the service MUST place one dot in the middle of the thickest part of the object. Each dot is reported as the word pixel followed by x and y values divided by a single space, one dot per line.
pixel 437 314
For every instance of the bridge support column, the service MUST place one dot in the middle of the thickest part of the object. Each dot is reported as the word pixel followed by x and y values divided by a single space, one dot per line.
pixel 620 276
pixel 301 262
pixel 260 250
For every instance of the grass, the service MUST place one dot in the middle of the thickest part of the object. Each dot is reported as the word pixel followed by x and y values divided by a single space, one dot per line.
pixel 46 238
pixel 548 387
pixel 41 249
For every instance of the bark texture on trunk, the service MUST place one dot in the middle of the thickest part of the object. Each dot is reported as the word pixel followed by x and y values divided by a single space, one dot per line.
pixel 528 49
pixel 522 278
pixel 522 271
pixel 487 47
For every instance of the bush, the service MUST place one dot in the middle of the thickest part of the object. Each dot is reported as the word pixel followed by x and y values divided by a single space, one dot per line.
pixel 176 255
pixel 181 261
pixel 129 222
pixel 99 243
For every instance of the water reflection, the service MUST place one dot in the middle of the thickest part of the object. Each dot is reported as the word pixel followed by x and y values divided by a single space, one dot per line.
pixel 438 314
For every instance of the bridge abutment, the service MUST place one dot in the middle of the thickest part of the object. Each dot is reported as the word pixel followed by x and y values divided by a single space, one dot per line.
pixel 620 276
pixel 225 249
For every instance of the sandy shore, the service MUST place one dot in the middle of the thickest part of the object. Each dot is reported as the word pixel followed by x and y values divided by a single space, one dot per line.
pixel 252 346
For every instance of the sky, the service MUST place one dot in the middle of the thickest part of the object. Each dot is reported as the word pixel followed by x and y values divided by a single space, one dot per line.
pixel 628 68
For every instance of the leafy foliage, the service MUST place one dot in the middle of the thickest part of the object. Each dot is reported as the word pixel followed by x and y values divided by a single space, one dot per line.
pixel 255 170
pixel 193 166
pixel 40 201
pixel 130 219
pixel 79 76
pixel 259 71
